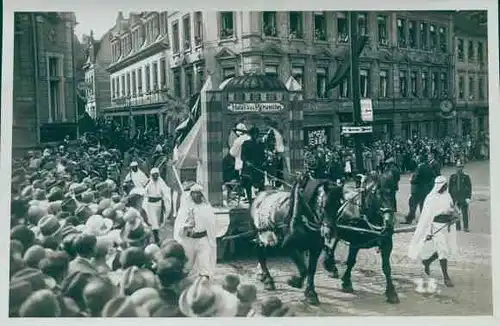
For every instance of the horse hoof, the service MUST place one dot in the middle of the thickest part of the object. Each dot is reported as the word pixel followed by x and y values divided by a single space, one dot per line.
pixel 347 288
pixel 312 299
pixel 296 282
pixel 393 299
pixel 334 274
pixel 269 286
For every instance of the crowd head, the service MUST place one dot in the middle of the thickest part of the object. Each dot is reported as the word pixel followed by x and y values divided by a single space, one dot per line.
pixel 78 248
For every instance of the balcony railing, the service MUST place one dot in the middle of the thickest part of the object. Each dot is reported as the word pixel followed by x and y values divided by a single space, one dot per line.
pixel 148 98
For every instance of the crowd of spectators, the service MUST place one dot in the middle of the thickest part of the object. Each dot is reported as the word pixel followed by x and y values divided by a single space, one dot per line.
pixel 72 255
pixel 339 161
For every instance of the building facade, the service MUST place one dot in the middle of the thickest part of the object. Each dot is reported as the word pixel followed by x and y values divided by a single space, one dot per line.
pixel 96 87
pixel 139 71
pixel 44 104
pixel 471 75
pixel 406 67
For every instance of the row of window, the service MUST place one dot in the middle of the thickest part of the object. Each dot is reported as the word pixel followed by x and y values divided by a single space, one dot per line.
pixel 410 33
pixel 186 32
pixel 143 80
pixel 413 83
pixel 472 92
pixel 473 52
pixel 193 81
pixel 140 34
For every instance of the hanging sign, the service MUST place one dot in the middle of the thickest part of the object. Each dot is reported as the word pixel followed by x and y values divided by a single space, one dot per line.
pixel 317 137
pixel 255 107
pixel 366 110
pixel 356 130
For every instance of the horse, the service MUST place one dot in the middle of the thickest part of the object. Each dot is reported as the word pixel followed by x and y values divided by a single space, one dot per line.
pixel 294 220
pixel 368 220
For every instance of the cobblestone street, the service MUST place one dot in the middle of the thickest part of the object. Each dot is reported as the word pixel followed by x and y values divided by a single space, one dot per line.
pixel 471 272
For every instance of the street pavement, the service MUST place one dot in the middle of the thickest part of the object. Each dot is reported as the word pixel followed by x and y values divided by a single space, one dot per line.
pixel 470 272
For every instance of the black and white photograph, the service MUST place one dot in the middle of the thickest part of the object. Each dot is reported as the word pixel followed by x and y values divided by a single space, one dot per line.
pixel 210 163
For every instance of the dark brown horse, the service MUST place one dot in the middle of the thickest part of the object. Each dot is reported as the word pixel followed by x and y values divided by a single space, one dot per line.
pixel 366 221
pixel 294 221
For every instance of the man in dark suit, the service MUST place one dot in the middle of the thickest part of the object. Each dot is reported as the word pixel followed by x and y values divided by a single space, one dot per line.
pixel 422 181
pixel 253 157
pixel 392 181
pixel 434 164
pixel 460 189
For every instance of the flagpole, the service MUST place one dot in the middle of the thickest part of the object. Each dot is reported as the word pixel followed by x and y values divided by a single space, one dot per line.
pixel 355 87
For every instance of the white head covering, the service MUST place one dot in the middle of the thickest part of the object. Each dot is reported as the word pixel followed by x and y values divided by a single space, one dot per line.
pixel 155 170
pixel 241 126
pixel 134 163
pixel 439 182
pixel 196 187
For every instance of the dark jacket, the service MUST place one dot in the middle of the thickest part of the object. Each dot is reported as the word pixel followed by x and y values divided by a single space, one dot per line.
pixel 436 167
pixel 423 178
pixel 252 154
pixel 460 187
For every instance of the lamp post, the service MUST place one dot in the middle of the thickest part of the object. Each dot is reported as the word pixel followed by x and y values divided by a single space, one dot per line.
pixel 356 104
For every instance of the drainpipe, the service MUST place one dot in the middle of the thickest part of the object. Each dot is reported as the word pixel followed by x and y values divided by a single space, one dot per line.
pixel 35 66
pixel 75 102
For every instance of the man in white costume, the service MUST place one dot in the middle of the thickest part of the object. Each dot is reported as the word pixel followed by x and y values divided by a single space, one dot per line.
pixel 157 195
pixel 235 150
pixel 435 236
pixel 194 228
pixel 138 178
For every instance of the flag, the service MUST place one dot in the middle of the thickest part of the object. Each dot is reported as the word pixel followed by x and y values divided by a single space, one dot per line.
pixel 172 178
pixel 343 71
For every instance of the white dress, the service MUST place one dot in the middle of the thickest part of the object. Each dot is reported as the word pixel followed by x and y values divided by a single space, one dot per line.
pixel 444 236
pixel 202 252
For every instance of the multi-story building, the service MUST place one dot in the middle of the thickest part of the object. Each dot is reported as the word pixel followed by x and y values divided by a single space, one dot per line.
pixel 139 70
pixel 44 104
pixel 471 75
pixel 97 87
pixel 405 69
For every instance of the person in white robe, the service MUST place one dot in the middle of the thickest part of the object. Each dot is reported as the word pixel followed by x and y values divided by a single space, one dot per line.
pixel 235 149
pixel 435 236
pixel 195 229
pixel 138 178
pixel 157 203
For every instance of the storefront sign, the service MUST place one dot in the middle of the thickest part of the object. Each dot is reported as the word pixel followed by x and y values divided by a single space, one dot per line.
pixel 356 130
pixel 255 107
pixel 317 137
pixel 366 110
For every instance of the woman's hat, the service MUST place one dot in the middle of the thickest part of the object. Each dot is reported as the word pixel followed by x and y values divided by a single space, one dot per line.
pixel 203 299
pixel 98 226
